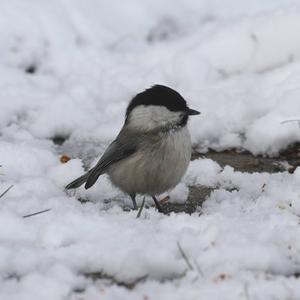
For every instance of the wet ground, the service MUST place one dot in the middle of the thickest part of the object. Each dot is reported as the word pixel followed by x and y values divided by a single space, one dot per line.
pixel 242 161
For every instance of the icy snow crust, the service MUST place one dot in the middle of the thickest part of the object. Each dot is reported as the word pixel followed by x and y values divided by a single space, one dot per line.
pixel 69 68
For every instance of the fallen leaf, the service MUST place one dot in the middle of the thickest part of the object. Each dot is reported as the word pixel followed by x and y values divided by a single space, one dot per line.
pixel 64 158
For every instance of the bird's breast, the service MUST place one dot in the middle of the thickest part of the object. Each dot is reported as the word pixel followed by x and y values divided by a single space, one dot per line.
pixel 157 166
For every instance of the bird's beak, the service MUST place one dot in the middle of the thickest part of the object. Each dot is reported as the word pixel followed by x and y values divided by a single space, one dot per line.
pixel 192 112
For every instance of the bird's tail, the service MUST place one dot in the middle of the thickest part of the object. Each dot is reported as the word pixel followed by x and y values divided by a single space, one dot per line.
pixel 77 182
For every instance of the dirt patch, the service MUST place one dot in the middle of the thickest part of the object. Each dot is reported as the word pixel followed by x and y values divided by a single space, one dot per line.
pixel 197 195
pixel 244 161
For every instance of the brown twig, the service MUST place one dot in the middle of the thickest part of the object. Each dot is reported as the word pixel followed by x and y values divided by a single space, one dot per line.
pixel 141 208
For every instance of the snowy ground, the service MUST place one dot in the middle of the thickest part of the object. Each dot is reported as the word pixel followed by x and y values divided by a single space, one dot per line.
pixel 68 69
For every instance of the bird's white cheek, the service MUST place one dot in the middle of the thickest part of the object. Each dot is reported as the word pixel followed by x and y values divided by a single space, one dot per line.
pixel 150 117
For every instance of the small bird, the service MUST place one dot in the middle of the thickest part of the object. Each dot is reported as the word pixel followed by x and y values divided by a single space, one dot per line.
pixel 153 149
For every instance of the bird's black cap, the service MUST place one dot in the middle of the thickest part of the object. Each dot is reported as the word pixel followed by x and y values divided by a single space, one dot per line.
pixel 159 95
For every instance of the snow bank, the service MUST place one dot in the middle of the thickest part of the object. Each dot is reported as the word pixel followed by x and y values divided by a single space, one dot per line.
pixel 85 56
pixel 245 236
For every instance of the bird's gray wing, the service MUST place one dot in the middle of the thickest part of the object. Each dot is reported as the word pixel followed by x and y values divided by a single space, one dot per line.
pixel 123 146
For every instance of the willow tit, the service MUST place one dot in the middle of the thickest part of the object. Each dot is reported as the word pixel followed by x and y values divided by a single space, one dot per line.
pixel 153 149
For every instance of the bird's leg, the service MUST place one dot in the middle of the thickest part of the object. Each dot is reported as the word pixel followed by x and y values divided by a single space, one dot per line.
pixel 158 206
pixel 134 202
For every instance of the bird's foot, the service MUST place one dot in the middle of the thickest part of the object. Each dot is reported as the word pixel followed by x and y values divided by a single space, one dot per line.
pixel 158 206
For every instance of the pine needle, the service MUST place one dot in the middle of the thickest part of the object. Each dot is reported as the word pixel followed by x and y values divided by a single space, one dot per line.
pixel 37 213
pixel 6 191
pixel 184 256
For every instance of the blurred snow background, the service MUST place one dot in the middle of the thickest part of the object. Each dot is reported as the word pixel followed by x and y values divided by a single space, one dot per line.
pixel 69 68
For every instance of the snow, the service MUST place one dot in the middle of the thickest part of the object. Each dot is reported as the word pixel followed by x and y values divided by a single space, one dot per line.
pixel 236 62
